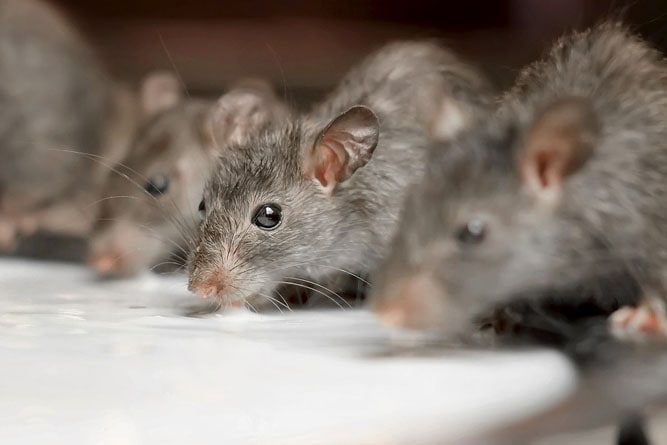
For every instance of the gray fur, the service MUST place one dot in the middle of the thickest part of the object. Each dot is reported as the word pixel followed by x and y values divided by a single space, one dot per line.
pixel 62 121
pixel 349 231
pixel 176 142
pixel 409 80
pixel 610 222
pixel 54 97
pixel 135 229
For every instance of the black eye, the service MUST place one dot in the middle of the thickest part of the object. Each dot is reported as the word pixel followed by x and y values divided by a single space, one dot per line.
pixel 267 216
pixel 202 209
pixel 472 233
pixel 157 185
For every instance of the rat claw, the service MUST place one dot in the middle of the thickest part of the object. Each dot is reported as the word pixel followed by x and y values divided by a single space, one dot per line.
pixel 641 323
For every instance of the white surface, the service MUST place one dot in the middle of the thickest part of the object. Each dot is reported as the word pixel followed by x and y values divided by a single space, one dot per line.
pixel 89 362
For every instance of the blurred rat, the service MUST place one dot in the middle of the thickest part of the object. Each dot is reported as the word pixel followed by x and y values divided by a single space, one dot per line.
pixel 559 195
pixel 150 205
pixel 304 202
pixel 59 109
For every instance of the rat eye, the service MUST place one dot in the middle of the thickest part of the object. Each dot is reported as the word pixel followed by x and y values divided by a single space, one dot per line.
pixel 473 232
pixel 202 209
pixel 267 216
pixel 157 185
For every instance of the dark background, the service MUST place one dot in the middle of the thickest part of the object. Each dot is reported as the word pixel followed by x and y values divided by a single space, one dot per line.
pixel 305 46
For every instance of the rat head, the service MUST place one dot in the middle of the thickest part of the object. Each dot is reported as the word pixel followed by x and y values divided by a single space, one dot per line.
pixel 147 206
pixel 151 208
pixel 494 218
pixel 272 210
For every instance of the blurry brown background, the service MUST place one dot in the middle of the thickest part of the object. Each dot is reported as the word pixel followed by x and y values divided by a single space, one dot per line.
pixel 304 46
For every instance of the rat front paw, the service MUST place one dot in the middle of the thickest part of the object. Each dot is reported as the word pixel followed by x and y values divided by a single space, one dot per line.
pixel 637 324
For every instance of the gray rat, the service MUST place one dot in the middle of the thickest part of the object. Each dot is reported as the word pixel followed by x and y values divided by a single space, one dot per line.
pixel 149 206
pixel 560 193
pixel 319 197
pixel 58 108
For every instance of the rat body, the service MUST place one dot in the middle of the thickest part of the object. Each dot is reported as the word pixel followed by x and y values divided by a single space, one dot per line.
pixel 559 194
pixel 149 207
pixel 320 196
pixel 58 106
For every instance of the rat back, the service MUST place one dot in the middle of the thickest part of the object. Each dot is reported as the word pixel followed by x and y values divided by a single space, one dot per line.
pixel 53 99
pixel 417 82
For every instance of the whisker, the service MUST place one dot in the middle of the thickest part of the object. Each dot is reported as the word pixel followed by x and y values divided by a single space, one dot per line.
pixel 173 63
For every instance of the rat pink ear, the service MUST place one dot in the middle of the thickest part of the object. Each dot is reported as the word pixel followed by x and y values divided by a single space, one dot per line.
pixel 345 145
pixel 559 142
pixel 244 110
pixel 159 91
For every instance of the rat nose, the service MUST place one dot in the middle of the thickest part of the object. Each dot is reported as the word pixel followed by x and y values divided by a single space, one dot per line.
pixel 108 262
pixel 206 287
pixel 413 302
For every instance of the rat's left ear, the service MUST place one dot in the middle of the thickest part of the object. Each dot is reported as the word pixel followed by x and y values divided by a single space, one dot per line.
pixel 160 90
pixel 247 108
pixel 558 142
pixel 345 145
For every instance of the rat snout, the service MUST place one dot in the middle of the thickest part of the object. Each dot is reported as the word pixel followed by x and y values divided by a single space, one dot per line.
pixel 414 302
pixel 207 285
pixel 104 256
pixel 116 250
pixel 205 289
pixel 107 263
pixel 216 283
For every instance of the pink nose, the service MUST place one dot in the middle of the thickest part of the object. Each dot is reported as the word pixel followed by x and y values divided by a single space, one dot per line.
pixel 107 262
pixel 205 290
pixel 415 302
pixel 207 287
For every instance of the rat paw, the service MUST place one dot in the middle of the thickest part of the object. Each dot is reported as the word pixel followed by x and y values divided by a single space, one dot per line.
pixel 641 323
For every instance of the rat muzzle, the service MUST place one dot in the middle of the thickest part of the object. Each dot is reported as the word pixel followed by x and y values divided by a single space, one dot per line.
pixel 413 302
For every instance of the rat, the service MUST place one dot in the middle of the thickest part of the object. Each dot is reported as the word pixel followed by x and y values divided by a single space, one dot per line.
pixel 149 206
pixel 60 109
pixel 552 201
pixel 559 195
pixel 319 197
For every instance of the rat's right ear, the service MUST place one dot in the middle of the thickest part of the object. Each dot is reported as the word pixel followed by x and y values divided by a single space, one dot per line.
pixel 558 142
pixel 345 145
pixel 159 91
pixel 245 109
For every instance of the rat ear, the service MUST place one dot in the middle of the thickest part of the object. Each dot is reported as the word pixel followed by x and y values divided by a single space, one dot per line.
pixel 160 90
pixel 558 142
pixel 345 145
pixel 246 108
